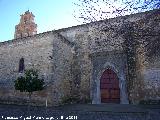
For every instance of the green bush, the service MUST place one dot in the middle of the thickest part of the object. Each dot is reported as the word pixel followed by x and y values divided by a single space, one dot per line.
pixel 29 82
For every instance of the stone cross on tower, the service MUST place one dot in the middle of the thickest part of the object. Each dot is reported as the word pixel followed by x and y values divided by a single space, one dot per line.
pixel 26 27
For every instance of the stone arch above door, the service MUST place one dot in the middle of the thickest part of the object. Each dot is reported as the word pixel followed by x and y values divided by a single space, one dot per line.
pixel 96 91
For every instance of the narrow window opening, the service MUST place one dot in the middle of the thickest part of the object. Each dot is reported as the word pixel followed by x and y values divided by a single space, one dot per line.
pixel 21 65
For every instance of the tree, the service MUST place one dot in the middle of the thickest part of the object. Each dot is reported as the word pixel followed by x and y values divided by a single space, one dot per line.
pixel 94 10
pixel 29 82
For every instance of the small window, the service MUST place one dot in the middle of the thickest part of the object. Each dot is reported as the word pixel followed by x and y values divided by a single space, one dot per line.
pixel 21 65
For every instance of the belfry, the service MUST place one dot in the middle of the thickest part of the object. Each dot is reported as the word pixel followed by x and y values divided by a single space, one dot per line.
pixel 26 26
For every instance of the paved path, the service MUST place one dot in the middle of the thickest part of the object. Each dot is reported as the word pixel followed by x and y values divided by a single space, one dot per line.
pixel 81 112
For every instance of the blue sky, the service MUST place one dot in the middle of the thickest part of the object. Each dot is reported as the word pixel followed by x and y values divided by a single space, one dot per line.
pixel 49 15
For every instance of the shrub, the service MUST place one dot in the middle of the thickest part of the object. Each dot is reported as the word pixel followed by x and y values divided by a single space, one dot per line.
pixel 29 82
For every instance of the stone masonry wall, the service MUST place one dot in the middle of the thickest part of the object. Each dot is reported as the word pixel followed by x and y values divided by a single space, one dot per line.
pixel 81 63
pixel 118 35
pixel 107 51
pixel 71 59
pixel 49 53
pixel 131 35
pixel 62 76
pixel 36 52
pixel 147 36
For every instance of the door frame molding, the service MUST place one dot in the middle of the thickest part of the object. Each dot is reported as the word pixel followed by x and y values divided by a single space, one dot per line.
pixel 122 85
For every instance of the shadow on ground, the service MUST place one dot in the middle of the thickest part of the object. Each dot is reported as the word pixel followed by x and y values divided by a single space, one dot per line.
pixel 82 112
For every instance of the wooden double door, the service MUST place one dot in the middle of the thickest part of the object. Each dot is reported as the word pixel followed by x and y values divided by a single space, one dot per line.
pixel 109 87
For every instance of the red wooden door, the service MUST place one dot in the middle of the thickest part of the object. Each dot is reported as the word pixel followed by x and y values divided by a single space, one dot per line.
pixel 109 86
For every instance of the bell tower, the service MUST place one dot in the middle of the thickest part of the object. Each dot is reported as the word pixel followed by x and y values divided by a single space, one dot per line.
pixel 26 26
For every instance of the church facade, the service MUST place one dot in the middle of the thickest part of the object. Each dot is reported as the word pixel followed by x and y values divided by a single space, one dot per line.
pixel 110 61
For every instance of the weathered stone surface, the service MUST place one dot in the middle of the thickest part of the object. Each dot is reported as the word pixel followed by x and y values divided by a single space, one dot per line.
pixel 72 60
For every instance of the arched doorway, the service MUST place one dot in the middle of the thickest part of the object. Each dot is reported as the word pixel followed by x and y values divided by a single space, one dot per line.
pixel 109 87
